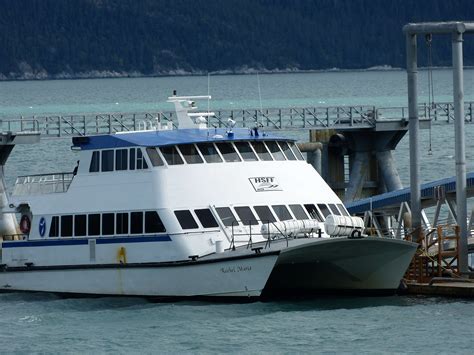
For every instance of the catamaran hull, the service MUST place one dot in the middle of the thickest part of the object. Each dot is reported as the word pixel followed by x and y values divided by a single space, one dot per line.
pixel 333 265
pixel 237 277
pixel 340 265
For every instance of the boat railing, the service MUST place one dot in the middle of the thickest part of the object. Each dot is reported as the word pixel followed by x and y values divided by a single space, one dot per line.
pixel 252 234
pixel 42 184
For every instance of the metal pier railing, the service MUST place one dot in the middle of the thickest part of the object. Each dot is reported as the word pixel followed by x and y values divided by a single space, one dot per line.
pixel 291 118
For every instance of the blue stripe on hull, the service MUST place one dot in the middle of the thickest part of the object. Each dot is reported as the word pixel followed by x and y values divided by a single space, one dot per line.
pixel 84 241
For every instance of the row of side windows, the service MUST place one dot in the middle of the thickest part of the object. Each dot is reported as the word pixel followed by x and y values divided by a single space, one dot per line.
pixel 264 213
pixel 118 159
pixel 106 224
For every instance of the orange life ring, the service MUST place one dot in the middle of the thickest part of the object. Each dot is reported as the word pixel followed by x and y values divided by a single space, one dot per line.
pixel 25 224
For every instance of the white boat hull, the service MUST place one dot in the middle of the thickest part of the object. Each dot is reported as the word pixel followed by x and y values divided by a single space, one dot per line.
pixel 305 265
pixel 342 265
pixel 235 277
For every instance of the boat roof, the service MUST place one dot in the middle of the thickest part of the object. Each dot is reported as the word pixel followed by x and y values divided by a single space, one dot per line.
pixel 163 138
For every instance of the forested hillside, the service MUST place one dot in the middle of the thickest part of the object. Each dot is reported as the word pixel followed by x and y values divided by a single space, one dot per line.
pixel 74 38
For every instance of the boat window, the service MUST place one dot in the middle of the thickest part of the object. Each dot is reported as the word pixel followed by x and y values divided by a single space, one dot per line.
pixel 121 223
pixel 121 159
pixel 226 216
pixel 154 157
pixel 287 150
pixel 141 162
pixel 190 153
pixel 298 212
pixel 228 152
pixel 313 212
pixel 282 212
pixel 296 151
pixel 264 214
pixel 261 150
pixel 209 151
pixel 206 218
pixel 153 223
pixel 94 224
pixel 246 151
pixel 132 158
pixel 136 222
pixel 108 223
pixel 343 210
pixel 171 155
pixel 54 229
pixel 107 160
pixel 246 215
pixel 274 148
pixel 66 226
pixel 186 219
pixel 334 209
pixel 80 221
pixel 324 209
pixel 95 162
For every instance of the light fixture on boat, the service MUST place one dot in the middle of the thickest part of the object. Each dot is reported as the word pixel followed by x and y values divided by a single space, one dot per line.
pixel 231 124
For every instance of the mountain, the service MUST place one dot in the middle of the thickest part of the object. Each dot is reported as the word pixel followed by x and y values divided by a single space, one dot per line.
pixel 83 38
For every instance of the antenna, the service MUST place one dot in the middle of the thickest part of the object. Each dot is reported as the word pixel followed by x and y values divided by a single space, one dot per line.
pixel 208 97
pixel 259 96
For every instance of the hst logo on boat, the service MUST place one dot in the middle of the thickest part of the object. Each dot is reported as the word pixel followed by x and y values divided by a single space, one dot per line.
pixel 265 183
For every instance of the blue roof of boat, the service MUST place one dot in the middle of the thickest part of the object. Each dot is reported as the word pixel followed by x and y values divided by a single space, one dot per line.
pixel 170 137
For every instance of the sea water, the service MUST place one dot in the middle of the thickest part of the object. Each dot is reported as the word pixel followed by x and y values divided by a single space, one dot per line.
pixel 45 323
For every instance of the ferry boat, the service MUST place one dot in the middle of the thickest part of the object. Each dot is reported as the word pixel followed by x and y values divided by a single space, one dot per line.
pixel 192 211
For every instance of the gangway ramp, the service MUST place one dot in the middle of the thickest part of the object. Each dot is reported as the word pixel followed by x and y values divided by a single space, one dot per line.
pixel 431 193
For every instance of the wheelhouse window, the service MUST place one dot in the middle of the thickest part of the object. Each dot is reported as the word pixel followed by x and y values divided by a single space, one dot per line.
pixel 261 150
pixel 186 219
pixel 141 162
pixel 54 228
pixel 246 215
pixel 274 148
pixel 334 209
pixel 228 152
pixel 324 209
pixel 108 223
pixel 313 212
pixel 153 223
pixel 95 162
pixel 80 224
pixel 121 159
pixel 190 153
pixel 93 224
pixel 108 160
pixel 171 155
pixel 343 210
pixel 206 218
pixel 298 212
pixel 282 212
pixel 264 214
pixel 226 216
pixel 209 152
pixel 66 226
pixel 136 222
pixel 287 151
pixel 121 223
pixel 154 157
pixel 296 151
pixel 133 158
pixel 246 151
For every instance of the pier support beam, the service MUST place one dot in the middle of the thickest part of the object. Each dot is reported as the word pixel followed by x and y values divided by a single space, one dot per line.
pixel 457 30
pixel 389 170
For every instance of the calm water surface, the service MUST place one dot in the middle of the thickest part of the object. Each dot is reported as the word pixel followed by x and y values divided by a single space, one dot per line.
pixel 42 323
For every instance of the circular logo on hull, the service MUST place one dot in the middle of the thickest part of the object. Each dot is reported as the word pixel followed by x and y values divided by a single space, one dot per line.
pixel 42 226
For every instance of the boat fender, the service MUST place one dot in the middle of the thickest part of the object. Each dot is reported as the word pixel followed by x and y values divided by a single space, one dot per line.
pixel 122 255
pixel 355 234
pixel 25 224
